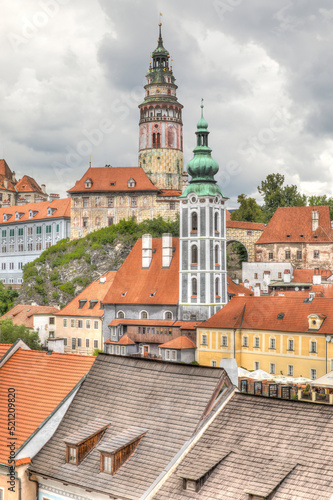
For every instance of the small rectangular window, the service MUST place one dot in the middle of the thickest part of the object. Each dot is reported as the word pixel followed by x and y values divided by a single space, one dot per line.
pixel 255 276
pixel 85 202
pixel 52 320
pixel 313 373
pixel 313 346
pixel 95 325
pixel 65 341
pixel 48 229
pixel 224 341
pixel 270 255
pixel 80 323
pixel 299 254
pixel 88 324
pixel 4 233
pixel 256 342
pixel 95 344
pixel 87 343
pixel 11 266
pixel 72 455
pixel 72 323
pixel 290 345
pixel 58 228
pixel 110 202
pixel 172 205
pixel 39 230
pixel 85 221
pixel 287 254
pixel 110 221
pixel 316 254
pixel 272 343
pixel 214 364
pixel 245 341
pixel 79 342
pixel 3 266
pixel 64 322
pixel 30 231
pixel 11 232
pixel 73 343
pixel 20 248
pixel 20 231
pixel 134 201
pixel 203 339
pixel 290 370
pixel 107 464
pixel 256 365
pixel 272 368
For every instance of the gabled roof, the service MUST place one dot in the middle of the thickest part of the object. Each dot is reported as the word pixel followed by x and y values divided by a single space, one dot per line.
pixel 93 295
pixel 5 170
pixel 125 340
pixel 28 185
pixel 294 225
pixel 169 192
pixel 23 314
pixel 8 185
pixel 39 210
pixel 136 285
pixel 41 381
pixel 250 226
pixel 235 289
pixel 182 342
pixel 4 348
pixel 114 179
pixel 254 456
pixel 261 313
pixel 168 400
pixel 306 275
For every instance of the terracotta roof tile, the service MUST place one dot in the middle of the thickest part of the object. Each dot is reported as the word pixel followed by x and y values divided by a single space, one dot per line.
pixel 254 226
pixel 24 314
pixel 136 285
pixel 62 209
pixel 4 348
pixel 27 185
pixel 125 340
pixel 261 313
pixel 179 343
pixel 169 192
pixel 41 382
pixel 235 289
pixel 114 179
pixel 294 225
pixel 5 170
pixel 306 275
pixel 90 298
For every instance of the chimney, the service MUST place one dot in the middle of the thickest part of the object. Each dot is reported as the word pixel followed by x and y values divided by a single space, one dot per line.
pixel 147 250
pixel 43 188
pixel 256 291
pixel 316 279
pixel 315 220
pixel 5 182
pixel 166 249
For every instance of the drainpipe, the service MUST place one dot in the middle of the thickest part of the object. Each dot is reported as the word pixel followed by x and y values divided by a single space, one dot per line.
pixel 234 343
pixel 34 481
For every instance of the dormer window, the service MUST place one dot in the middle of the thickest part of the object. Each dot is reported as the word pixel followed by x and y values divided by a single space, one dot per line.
pixel 131 183
pixel 88 183
pixel 84 440
pixel 4 217
pixel 18 215
pixel 316 321
pixel 50 211
pixel 82 303
pixel 92 304
pixel 33 213
pixel 116 450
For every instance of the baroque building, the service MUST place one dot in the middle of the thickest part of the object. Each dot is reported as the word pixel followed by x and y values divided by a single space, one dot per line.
pixel 203 269
pixel 106 195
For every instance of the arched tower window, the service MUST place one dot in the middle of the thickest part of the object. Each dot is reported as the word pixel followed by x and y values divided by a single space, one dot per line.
pixel 121 315
pixel 194 287
pixel 156 140
pixel 217 287
pixel 143 315
pixel 168 315
pixel 194 221
pixel 194 254
pixel 216 222
pixel 217 260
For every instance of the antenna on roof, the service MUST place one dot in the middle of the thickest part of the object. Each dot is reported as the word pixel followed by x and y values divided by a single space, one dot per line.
pixel 90 161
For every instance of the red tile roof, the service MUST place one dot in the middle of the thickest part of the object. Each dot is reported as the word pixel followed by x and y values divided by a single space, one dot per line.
pixel 9 184
pixel 187 325
pixel 41 382
pixel 135 285
pixel 169 192
pixel 114 179
pixel 62 208
pixel 233 288
pixel 253 226
pixel 179 343
pixel 5 170
pixel 125 340
pixel 96 291
pixel 297 221
pixel 27 185
pixel 261 313
pixel 23 314
pixel 306 275
pixel 4 348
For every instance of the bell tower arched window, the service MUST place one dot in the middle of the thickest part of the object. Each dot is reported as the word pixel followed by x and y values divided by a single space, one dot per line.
pixel 194 221
pixel 194 254
pixel 194 287
pixel 217 287
pixel 217 261
pixel 216 222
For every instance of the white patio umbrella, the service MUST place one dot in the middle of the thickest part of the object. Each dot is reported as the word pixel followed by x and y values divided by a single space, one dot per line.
pixel 243 373
pixel 302 380
pixel 260 375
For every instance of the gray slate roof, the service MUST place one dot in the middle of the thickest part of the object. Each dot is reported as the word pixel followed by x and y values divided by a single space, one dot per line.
pixel 277 447
pixel 167 399
pixel 93 427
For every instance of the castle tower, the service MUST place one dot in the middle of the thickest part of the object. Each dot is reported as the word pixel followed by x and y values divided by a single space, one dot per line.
pixel 160 126
pixel 203 274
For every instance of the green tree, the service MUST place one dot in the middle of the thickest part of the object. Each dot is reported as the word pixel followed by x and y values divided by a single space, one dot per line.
pixel 248 210
pixel 315 201
pixel 276 195
pixel 10 333
pixel 7 297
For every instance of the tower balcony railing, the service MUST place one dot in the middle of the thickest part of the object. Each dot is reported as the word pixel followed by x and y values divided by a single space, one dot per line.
pixel 156 118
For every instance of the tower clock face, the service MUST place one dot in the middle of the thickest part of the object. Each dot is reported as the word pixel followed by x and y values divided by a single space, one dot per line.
pixel 158 91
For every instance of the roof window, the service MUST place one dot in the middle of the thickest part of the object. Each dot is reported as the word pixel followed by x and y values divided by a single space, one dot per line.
pixel 280 316
pixel 316 321
pixel 18 215
pixel 50 211
pixel 117 449
pixel 131 183
pixel 92 304
pixel 88 183
pixel 195 476
pixel 32 213
pixel 112 183
pixel 82 303
pixel 79 444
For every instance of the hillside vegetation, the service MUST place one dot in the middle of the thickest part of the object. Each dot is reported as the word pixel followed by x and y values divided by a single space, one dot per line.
pixel 65 269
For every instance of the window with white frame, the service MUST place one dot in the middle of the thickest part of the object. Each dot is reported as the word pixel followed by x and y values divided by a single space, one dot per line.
pixel 80 323
pixel 88 324
pixel 245 341
pixel 313 373
pixel 272 368
pixel 272 343
pixel 95 325
pixel 290 344
pixel 224 341
pixel 203 339
pixel 87 343
pixel 313 346
pixel 256 365
pixel 168 315
pixel 143 315
pixel 121 315
pixel 167 354
pixel 173 355
pixel 73 343
pixel 123 350
pixel 64 322
pixel 290 370
pixel 256 342
pixel 95 344
pixel 79 342
pixel 72 323
pixel 65 341
pixel 214 363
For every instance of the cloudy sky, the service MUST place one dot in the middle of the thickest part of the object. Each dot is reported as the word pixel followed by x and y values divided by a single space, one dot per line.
pixel 73 73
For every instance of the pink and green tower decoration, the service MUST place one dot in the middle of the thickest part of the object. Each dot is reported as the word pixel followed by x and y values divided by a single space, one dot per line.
pixel 161 126
pixel 203 267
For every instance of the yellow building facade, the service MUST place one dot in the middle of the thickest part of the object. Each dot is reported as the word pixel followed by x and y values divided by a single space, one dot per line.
pixel 306 351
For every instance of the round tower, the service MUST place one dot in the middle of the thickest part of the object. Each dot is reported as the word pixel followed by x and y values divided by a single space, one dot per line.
pixel 203 266
pixel 161 126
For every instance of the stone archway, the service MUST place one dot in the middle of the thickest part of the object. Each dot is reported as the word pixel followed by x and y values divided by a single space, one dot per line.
pixel 246 233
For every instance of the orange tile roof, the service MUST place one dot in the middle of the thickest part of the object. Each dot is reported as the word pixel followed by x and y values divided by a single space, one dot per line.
pixel 297 221
pixel 41 382
pixel 96 291
pixel 62 209
pixel 114 179
pixel 179 343
pixel 22 314
pixel 306 275
pixel 233 288
pixel 4 348
pixel 135 285
pixel 125 340
pixel 27 185
pixel 169 192
pixel 5 170
pixel 9 184
pixel 187 325
pixel 254 226
pixel 260 313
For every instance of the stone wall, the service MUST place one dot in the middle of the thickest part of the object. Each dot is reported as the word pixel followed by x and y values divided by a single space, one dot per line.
pixel 248 237
pixel 164 167
pixel 305 260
